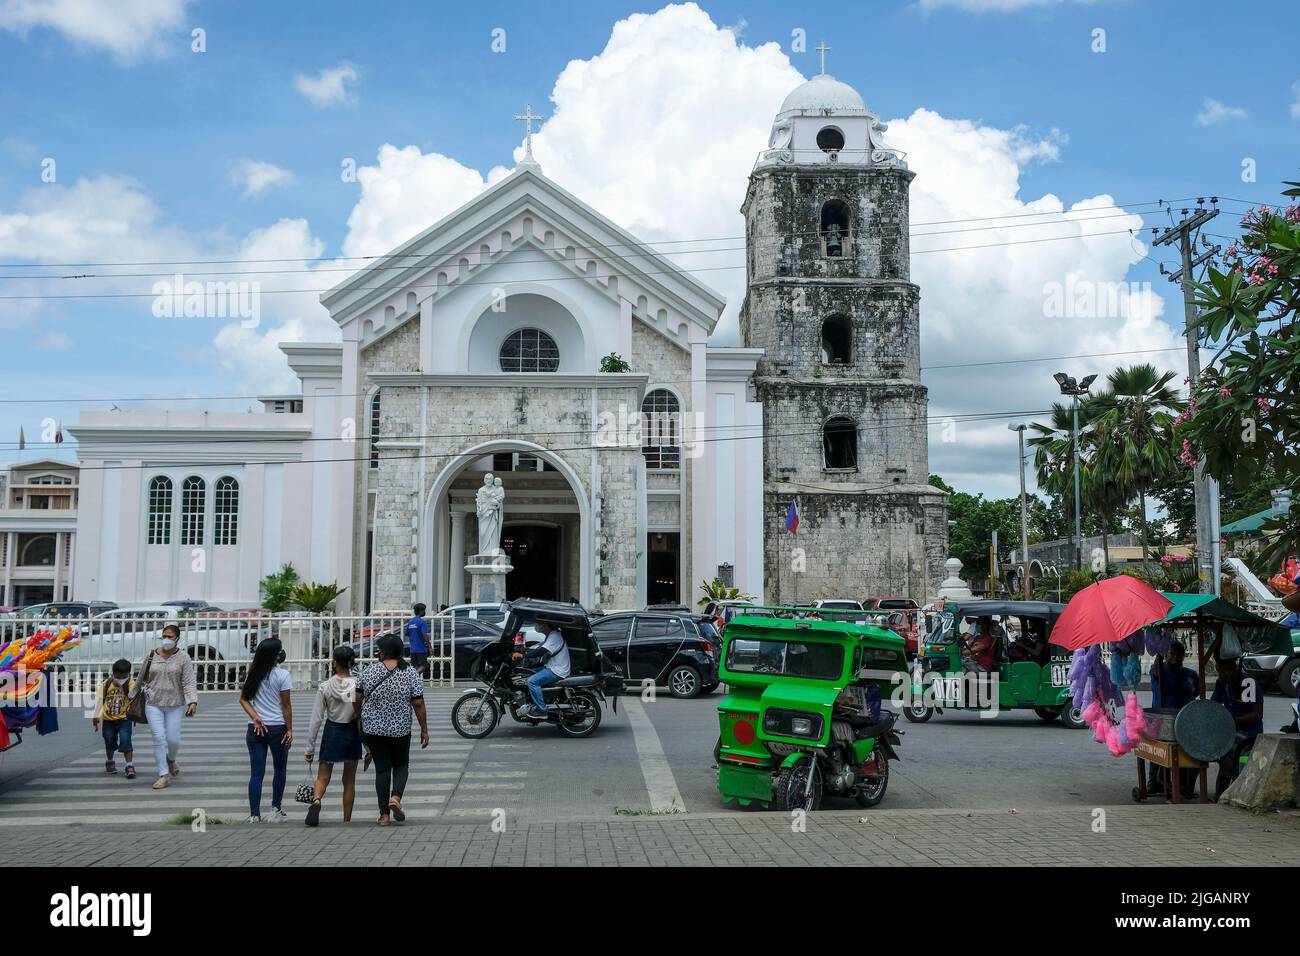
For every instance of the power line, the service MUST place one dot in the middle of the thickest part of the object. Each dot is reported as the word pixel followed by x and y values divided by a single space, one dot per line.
pixel 679 382
pixel 543 279
pixel 1127 209
pixel 152 445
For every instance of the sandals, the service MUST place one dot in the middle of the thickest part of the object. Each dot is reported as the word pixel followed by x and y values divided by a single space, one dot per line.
pixel 383 821
pixel 398 813
pixel 173 768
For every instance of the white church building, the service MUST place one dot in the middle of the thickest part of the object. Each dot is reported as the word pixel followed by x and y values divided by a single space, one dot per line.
pixel 491 342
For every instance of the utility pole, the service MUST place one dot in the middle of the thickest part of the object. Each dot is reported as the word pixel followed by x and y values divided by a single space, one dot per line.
pixel 1019 429
pixel 1183 233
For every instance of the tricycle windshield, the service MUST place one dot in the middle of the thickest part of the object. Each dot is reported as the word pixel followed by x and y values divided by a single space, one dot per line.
pixel 788 658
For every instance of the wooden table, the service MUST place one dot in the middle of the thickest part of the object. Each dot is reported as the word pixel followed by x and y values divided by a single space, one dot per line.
pixel 1167 753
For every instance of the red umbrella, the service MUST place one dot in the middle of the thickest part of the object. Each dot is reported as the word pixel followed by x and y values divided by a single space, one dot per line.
pixel 1109 610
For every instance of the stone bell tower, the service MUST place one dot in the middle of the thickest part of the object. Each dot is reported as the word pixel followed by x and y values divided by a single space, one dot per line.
pixel 831 302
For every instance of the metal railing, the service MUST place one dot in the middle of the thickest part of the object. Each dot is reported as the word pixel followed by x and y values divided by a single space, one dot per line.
pixel 222 646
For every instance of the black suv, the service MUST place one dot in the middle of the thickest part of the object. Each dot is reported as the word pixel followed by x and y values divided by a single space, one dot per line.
pixel 675 650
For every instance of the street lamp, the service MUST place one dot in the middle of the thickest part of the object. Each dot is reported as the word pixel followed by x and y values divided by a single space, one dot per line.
pixel 1019 429
pixel 1074 389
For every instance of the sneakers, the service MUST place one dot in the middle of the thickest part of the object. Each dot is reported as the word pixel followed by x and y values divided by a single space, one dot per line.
pixel 276 816
pixel 130 771
pixel 173 768
pixel 162 783
pixel 535 712
pixel 313 814
pixel 253 818
pixel 110 766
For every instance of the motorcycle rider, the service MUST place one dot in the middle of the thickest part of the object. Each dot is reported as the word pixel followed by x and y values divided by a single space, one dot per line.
pixel 553 655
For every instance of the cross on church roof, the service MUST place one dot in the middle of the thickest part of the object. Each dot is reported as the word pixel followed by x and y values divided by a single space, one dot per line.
pixel 527 118
pixel 823 50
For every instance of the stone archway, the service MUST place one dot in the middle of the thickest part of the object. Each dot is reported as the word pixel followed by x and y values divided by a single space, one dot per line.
pixel 448 517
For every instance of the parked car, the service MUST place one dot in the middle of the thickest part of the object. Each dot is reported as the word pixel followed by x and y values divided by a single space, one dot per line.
pixel 492 613
pixel 23 621
pixel 222 647
pixel 192 606
pixel 673 650
pixel 1276 670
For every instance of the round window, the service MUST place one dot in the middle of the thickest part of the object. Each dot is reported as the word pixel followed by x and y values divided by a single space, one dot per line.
pixel 830 140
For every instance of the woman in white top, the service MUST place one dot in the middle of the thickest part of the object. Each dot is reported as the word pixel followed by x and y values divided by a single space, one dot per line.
pixel 265 698
pixel 334 723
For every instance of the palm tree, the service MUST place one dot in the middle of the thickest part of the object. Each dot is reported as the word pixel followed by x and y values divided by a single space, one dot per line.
pixel 1053 445
pixel 1133 433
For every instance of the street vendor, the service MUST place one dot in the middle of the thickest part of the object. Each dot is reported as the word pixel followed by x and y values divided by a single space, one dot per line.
pixel 1244 700
pixel 1173 684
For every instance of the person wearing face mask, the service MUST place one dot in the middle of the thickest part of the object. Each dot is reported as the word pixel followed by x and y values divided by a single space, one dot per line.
pixel 170 691
pixel 110 711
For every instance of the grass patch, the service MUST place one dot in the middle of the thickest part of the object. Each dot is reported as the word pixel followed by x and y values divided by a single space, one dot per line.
pixel 187 819
pixel 632 812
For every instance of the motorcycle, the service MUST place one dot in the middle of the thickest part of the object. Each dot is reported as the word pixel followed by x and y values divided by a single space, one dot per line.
pixel 574 704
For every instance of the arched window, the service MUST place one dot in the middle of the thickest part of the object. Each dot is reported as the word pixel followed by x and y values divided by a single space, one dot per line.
pixel 160 510
pixel 840 443
pixel 225 511
pixel 837 341
pixel 35 551
pixel 374 431
pixel 194 494
pixel 529 350
pixel 835 232
pixel 661 429
pixel 830 139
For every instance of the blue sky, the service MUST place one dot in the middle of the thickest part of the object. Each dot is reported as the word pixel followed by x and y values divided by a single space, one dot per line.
pixel 1123 124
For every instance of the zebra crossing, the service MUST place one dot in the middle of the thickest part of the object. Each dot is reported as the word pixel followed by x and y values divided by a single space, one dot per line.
pixel 444 779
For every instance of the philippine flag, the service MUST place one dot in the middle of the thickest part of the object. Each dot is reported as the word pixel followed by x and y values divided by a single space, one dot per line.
pixel 792 517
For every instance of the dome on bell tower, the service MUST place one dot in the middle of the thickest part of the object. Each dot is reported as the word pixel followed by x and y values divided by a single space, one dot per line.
pixel 822 94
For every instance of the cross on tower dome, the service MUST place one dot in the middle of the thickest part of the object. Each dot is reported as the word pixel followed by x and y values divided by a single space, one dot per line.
pixel 823 49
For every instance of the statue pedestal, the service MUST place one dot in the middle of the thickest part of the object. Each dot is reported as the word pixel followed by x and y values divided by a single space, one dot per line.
pixel 487 574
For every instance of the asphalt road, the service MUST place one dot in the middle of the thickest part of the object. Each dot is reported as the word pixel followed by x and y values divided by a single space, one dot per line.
pixel 649 758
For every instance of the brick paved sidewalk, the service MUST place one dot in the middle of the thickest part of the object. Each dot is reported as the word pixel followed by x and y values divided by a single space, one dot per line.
pixel 1159 835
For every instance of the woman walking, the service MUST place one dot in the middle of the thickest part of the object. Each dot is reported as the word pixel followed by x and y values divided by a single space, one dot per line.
pixel 388 692
pixel 171 690
pixel 334 723
pixel 266 700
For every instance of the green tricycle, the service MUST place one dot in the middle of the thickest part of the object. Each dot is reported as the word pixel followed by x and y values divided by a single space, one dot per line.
pixel 802 716
pixel 1023 670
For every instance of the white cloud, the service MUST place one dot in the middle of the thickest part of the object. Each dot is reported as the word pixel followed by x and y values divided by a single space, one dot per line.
pixel 330 87
pixel 1213 112
pixel 701 105
pixel 54 342
pixel 255 177
pixel 129 29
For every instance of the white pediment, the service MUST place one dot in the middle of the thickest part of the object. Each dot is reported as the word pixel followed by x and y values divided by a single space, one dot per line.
pixel 524 218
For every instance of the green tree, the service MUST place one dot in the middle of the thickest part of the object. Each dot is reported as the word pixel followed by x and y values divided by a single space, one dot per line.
pixel 1243 418
pixel 277 588
pixel 1132 437
pixel 715 590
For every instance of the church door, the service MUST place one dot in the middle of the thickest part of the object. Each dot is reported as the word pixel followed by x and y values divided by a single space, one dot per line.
pixel 534 551
pixel 662 564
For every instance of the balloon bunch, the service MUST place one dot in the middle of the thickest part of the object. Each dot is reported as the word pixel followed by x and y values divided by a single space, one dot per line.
pixel 22 662
pixel 1095 694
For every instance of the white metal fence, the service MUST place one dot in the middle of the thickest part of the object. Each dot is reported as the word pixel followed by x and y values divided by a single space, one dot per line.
pixel 222 646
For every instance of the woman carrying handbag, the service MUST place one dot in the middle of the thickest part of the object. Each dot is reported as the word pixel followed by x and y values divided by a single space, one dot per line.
pixel 168 690
pixel 334 723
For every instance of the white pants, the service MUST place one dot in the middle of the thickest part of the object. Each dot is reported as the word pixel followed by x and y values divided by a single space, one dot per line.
pixel 165 725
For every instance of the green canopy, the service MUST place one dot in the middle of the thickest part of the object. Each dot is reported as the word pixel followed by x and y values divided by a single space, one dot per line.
pixel 1258 635
pixel 1250 523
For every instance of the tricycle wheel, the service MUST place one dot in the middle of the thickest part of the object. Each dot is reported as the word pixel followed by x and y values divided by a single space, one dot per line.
pixel 1048 713
pixel 1072 717
pixel 918 713
pixel 870 792
pixel 584 718
pixel 789 789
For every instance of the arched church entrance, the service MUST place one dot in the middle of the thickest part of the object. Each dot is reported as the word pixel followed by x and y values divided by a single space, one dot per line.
pixel 545 530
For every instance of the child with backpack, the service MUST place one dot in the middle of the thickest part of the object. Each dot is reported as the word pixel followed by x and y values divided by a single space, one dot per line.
pixel 110 715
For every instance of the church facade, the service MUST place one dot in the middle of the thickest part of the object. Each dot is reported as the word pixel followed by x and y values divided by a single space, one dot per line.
pixel 527 337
